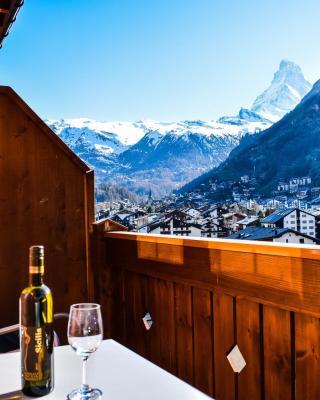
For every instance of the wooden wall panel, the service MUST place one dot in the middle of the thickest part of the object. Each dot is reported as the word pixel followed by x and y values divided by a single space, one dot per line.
pixel 203 346
pixel 224 340
pixel 184 332
pixel 277 354
pixel 43 200
pixel 249 338
pixel 307 330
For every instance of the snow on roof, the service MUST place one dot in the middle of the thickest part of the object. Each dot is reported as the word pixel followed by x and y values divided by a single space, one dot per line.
pixel 248 220
pixel 261 233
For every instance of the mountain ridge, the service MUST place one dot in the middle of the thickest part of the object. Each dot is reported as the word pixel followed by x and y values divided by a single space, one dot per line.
pixel 164 156
pixel 289 148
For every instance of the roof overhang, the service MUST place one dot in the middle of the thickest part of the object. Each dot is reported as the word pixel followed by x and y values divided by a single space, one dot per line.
pixel 8 13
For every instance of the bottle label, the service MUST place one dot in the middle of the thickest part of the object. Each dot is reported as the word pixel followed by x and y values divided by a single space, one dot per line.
pixel 38 269
pixel 36 350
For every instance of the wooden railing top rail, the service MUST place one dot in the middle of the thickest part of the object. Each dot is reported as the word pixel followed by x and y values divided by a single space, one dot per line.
pixel 249 246
pixel 284 275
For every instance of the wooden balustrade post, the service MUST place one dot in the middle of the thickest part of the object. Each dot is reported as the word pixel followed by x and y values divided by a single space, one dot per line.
pixel 103 274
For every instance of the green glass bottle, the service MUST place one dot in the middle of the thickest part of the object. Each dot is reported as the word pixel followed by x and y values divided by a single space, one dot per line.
pixel 36 332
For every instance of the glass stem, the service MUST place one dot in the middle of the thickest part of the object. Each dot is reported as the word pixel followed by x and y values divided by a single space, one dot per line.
pixel 85 386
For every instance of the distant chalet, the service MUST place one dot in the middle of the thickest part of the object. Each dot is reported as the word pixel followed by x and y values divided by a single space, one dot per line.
pixel 290 225
pixel 282 235
pixel 292 218
pixel 175 226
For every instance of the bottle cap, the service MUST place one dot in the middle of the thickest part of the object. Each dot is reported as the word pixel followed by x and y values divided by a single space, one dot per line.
pixel 36 259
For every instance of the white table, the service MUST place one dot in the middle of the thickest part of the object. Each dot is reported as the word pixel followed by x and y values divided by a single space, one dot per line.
pixel 119 372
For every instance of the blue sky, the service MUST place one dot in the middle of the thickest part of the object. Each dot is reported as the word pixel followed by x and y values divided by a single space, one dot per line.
pixel 161 59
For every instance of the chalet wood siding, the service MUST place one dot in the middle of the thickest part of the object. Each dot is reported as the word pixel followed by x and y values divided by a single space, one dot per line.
pixel 207 296
pixel 46 197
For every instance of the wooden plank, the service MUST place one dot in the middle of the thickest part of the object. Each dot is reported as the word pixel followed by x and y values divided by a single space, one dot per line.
pixel 89 217
pixel 184 332
pixel 248 340
pixel 307 357
pixel 135 309
pixel 240 246
pixel 203 354
pixel 277 354
pixel 224 340
pixel 106 280
pixel 119 330
pixel 106 288
pixel 162 346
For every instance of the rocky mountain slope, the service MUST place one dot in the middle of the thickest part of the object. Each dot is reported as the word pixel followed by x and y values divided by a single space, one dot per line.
pixel 289 148
pixel 167 155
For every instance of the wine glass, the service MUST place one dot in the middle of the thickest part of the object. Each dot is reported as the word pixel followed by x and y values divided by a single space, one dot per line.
pixel 85 333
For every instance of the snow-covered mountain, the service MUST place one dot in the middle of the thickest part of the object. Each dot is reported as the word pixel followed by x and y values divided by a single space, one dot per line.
pixel 163 159
pixel 288 148
pixel 165 155
pixel 150 154
pixel 287 89
pixel 98 143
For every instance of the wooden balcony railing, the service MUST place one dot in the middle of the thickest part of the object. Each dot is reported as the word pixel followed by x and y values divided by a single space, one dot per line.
pixel 205 296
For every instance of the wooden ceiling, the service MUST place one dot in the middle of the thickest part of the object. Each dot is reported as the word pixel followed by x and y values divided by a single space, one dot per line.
pixel 8 12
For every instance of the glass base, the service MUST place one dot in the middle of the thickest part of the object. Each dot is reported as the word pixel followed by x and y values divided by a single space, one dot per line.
pixel 90 394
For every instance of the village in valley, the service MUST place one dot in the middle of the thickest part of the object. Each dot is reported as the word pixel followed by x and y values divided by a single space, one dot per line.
pixel 291 215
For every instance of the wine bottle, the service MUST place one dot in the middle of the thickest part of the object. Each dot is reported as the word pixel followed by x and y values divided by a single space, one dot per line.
pixel 36 332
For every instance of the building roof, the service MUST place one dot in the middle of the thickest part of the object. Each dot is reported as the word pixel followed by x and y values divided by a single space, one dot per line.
pixel 315 201
pixel 248 220
pixel 209 221
pixel 277 216
pixel 258 233
pixel 262 233
pixel 176 223
pixel 231 214
pixel 8 13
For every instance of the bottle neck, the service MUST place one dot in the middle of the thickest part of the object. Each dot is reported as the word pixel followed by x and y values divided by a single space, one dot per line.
pixel 36 272
pixel 36 265
pixel 35 279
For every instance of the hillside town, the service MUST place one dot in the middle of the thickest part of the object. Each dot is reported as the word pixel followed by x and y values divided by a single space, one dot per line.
pixel 291 216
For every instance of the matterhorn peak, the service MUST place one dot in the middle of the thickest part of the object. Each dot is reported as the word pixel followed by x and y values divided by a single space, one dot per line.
pixel 289 73
pixel 287 89
pixel 287 64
